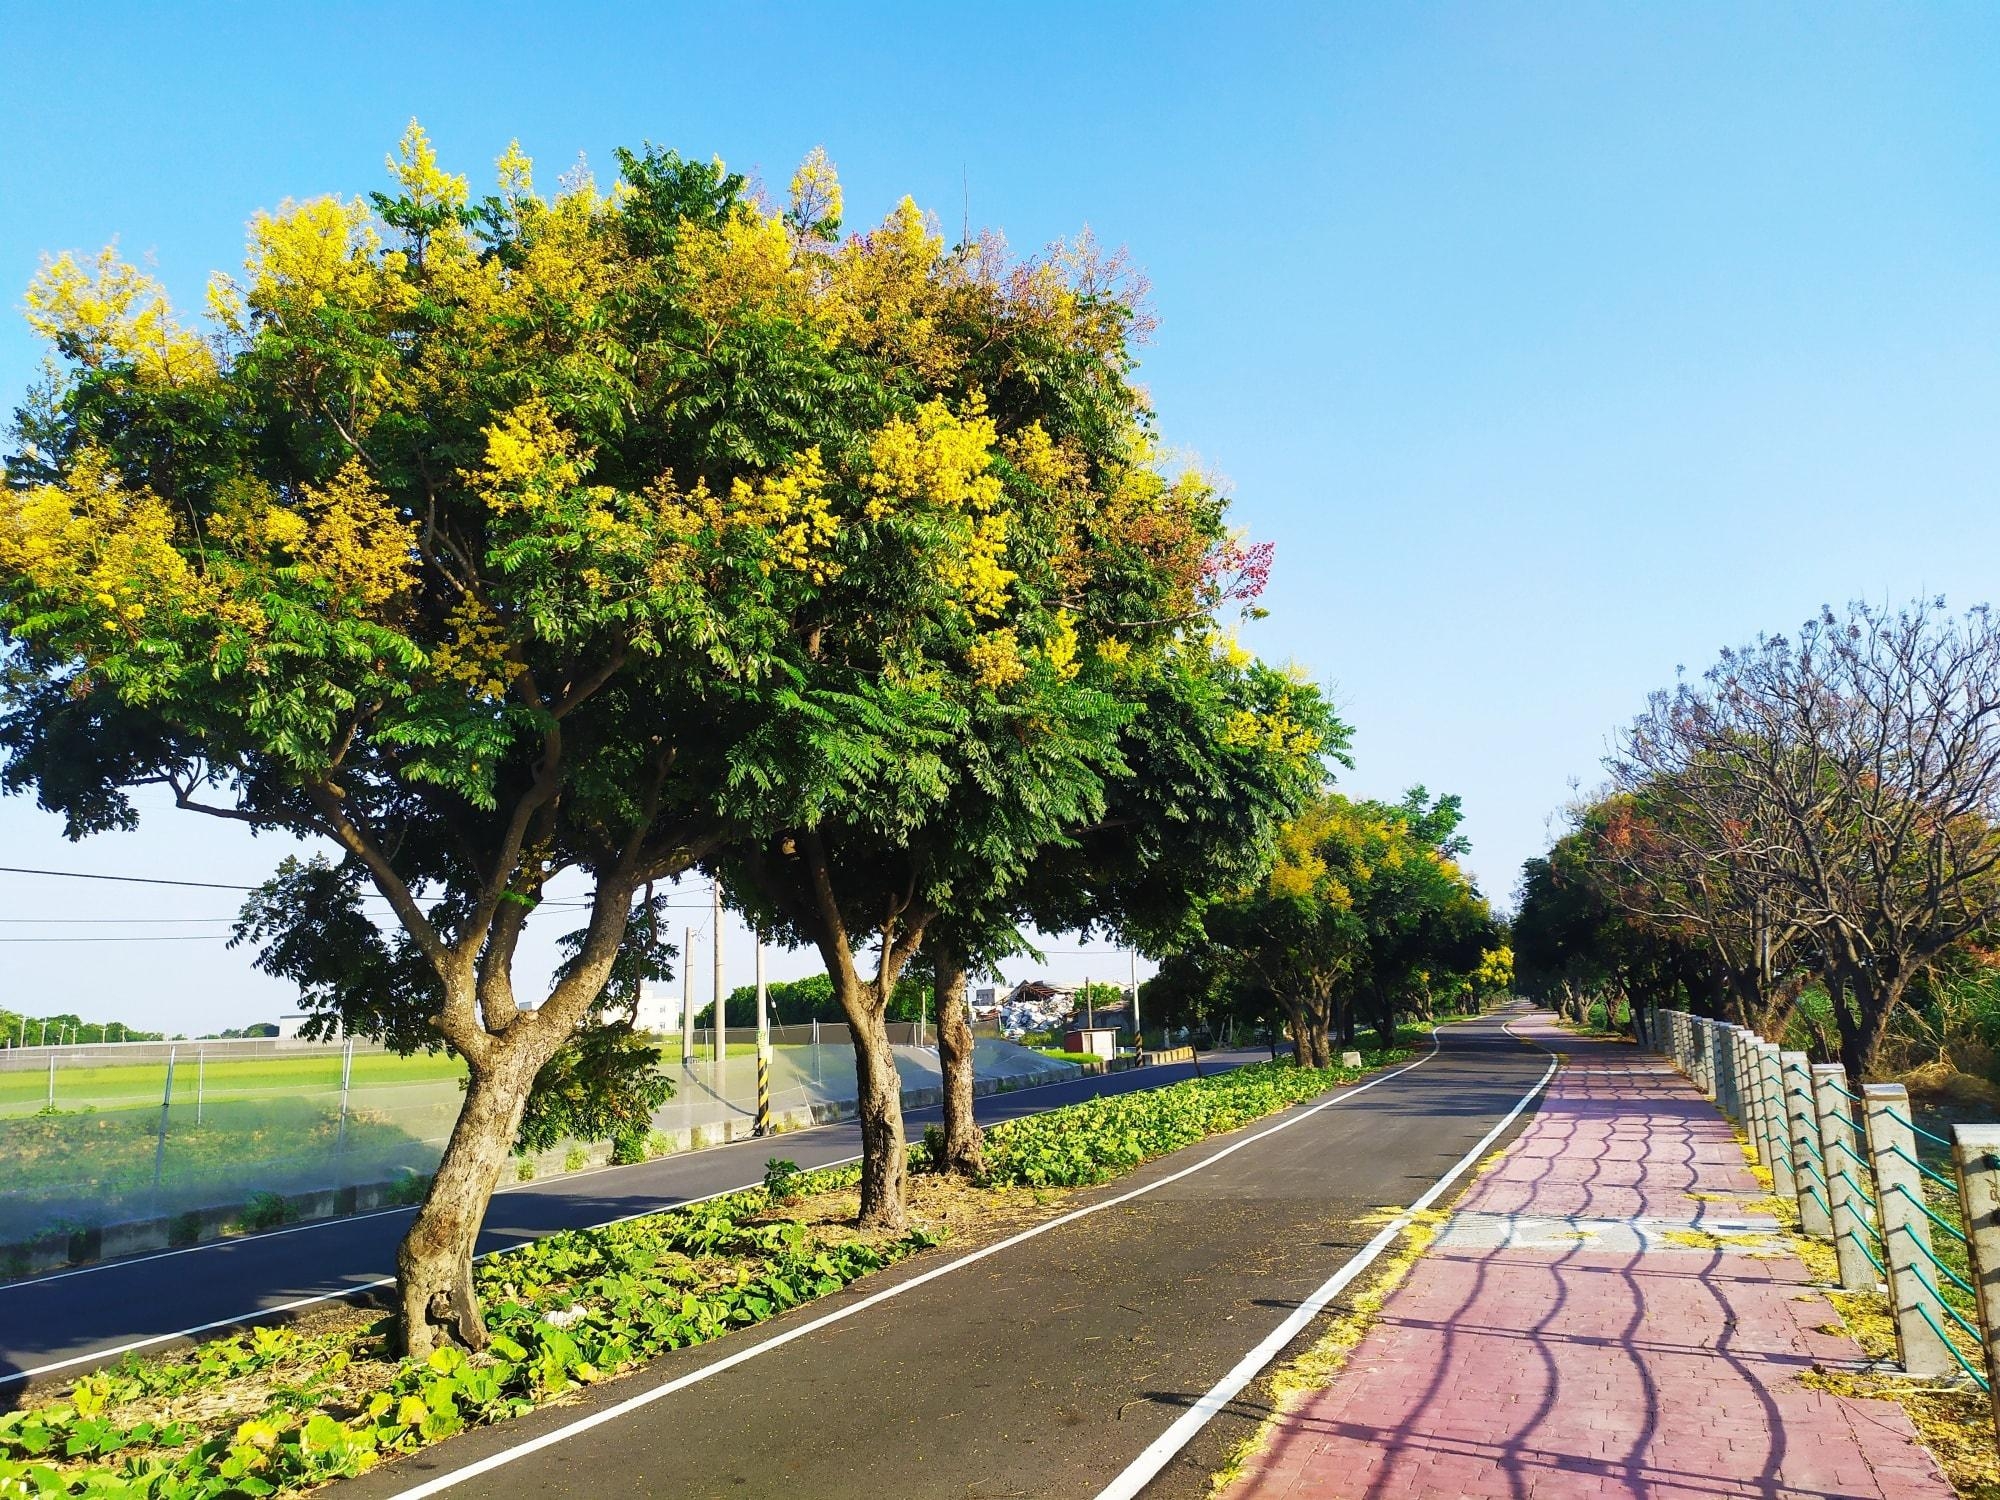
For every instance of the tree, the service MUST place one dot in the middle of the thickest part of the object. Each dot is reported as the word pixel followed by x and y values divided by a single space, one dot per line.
pixel 487 540
pixel 1850 778
pixel 1364 904
pixel 955 725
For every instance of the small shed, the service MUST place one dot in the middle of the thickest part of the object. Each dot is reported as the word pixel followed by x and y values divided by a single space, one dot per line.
pixel 1098 1041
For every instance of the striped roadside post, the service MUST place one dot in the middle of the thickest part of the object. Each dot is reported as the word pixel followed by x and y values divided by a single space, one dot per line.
pixel 763 1046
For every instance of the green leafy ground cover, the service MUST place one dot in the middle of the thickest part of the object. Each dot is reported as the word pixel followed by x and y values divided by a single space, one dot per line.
pixel 285 1408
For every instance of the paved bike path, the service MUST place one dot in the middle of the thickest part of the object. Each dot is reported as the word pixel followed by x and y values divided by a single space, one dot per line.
pixel 1043 1368
pixel 75 1318
pixel 1574 1332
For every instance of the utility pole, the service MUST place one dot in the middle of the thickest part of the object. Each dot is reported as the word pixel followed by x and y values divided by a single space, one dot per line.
pixel 1089 1010
pixel 1138 1031
pixel 687 999
pixel 715 914
pixel 763 1046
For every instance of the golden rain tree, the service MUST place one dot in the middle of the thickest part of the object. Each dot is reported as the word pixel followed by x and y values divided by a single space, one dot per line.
pixel 610 533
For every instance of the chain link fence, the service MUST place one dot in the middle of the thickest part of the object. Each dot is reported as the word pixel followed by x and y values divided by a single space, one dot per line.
pixel 103 1134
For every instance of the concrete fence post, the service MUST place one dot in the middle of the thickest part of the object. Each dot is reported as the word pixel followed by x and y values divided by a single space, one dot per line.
pixel 1906 1232
pixel 1734 1081
pixel 1777 1134
pixel 1698 1055
pixel 1750 1093
pixel 1837 1140
pixel 1718 1066
pixel 1750 1083
pixel 1802 1125
pixel 1975 1151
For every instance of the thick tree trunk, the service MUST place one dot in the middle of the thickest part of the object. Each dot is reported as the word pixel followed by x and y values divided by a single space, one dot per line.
pixel 1295 1023
pixel 434 1261
pixel 884 1153
pixel 1319 1049
pixel 964 1151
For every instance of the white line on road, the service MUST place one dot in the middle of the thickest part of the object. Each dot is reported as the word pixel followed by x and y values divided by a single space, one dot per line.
pixel 336 1222
pixel 1160 1452
pixel 631 1404
pixel 17 1377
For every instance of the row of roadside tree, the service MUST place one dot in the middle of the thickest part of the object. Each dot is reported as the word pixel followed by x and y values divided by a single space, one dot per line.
pixel 615 535
pixel 1806 839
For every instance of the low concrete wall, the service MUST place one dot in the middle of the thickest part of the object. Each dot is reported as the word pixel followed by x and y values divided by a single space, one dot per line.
pixel 61 1249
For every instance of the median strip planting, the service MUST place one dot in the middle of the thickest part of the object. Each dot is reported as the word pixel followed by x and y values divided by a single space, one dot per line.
pixel 286 1408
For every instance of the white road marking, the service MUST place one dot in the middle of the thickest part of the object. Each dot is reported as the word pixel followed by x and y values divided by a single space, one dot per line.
pixel 17 1377
pixel 505 1187
pixel 646 1398
pixel 1160 1452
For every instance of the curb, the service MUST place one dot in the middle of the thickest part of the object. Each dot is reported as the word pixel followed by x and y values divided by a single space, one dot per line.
pixel 64 1249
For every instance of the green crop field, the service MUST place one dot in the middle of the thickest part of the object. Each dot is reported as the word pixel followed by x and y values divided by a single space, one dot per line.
pixel 140 1085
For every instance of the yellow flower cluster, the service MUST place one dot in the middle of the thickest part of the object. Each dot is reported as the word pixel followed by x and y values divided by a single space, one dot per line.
pixel 1040 460
pixel 995 659
pixel 940 459
pixel 816 197
pixel 320 252
pixel 91 543
pixel 742 268
pixel 884 290
pixel 113 312
pixel 356 543
pixel 795 508
pixel 1276 732
pixel 475 656
pixel 529 460
pixel 1060 648
pixel 415 166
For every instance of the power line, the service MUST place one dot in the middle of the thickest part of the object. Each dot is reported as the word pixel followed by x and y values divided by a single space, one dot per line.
pixel 205 885
pixel 194 937
pixel 102 921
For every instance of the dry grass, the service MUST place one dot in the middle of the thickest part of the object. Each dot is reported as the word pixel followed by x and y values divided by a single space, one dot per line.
pixel 1956 1425
pixel 1346 1324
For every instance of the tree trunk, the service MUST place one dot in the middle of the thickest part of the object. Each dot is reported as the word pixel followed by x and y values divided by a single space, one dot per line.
pixel 1295 1023
pixel 434 1261
pixel 884 1153
pixel 963 1143
pixel 1318 1047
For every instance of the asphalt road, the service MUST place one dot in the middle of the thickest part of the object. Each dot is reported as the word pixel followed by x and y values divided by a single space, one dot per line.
pixel 62 1324
pixel 1040 1366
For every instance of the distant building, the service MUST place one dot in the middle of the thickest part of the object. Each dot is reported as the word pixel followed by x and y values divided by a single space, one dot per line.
pixel 659 1008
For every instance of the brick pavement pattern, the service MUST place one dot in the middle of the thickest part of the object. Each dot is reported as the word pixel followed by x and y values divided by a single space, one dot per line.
pixel 1594 1321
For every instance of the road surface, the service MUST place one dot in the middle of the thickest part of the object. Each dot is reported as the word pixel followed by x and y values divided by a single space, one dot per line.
pixel 1043 1364
pixel 59 1325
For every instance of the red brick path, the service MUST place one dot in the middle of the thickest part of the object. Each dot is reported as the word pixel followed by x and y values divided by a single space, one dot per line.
pixel 1563 1337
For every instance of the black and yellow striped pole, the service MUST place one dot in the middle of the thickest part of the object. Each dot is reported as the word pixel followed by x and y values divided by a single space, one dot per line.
pixel 763 1046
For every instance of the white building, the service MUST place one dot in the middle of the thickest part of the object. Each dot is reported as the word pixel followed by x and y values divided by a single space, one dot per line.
pixel 659 1008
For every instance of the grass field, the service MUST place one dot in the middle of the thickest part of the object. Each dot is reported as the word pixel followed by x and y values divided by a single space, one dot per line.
pixel 140 1085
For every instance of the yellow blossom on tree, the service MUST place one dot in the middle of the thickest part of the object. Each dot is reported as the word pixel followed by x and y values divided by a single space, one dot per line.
pixel 475 656
pixel 995 659
pixel 795 507
pixel 113 312
pixel 816 198
pixel 528 459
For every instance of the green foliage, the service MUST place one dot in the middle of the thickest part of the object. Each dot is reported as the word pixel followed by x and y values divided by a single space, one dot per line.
pixel 1086 1143
pixel 566 1311
pixel 263 1210
pixel 574 1159
pixel 21 1030
pixel 408 1187
pixel 783 1181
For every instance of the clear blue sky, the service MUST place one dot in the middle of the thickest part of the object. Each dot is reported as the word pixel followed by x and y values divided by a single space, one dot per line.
pixel 1554 345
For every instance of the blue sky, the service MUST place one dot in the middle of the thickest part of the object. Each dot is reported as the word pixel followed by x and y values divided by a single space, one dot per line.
pixel 1556 346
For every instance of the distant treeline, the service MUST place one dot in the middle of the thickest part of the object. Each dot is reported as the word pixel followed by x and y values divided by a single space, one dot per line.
pixel 18 1030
